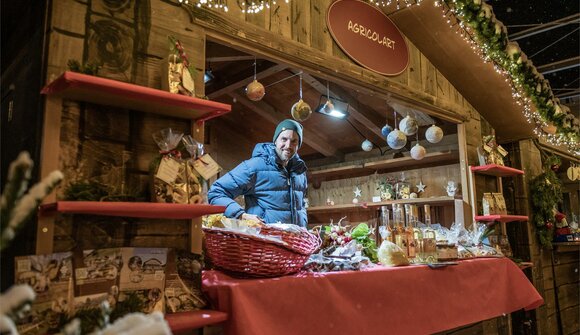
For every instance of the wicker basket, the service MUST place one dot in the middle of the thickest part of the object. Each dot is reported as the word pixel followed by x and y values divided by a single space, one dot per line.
pixel 245 255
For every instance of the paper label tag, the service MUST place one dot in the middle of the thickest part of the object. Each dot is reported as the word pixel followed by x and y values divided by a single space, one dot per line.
pixel 168 170
pixel 376 199
pixel 502 151
pixel 206 166
pixel 81 273
pixel 486 148
pixel 23 265
pixel 159 275
pixel 187 81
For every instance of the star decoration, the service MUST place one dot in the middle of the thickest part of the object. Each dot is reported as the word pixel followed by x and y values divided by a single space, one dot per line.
pixel 420 187
pixel 357 192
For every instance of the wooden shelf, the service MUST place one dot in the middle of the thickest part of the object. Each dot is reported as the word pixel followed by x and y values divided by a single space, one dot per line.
pixel 131 209
pixel 432 159
pixel 501 218
pixel 338 172
pixel 345 207
pixel 496 170
pixel 566 246
pixel 82 87
pixel 366 169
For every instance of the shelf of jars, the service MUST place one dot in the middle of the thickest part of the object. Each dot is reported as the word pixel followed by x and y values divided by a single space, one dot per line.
pixel 131 209
pixel 443 200
pixel 365 169
pixel 103 91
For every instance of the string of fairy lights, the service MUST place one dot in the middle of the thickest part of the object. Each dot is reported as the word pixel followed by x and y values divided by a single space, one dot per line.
pixel 482 48
pixel 256 6
pixel 247 6
pixel 560 128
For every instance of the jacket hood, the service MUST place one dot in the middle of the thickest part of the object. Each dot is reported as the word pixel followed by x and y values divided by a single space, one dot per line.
pixel 268 152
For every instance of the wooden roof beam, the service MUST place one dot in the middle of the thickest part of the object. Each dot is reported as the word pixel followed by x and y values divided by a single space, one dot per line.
pixel 272 115
pixel 560 65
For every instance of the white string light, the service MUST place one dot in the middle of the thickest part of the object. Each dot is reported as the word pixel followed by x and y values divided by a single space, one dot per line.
pixel 519 95
pixel 247 6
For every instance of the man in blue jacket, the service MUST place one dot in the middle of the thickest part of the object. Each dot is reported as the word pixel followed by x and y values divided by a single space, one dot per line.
pixel 273 181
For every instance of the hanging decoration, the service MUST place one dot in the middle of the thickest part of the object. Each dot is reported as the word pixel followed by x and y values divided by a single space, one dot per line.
pixel 418 152
pixel 247 6
pixel 301 111
pixel 478 26
pixel 396 138
pixel 409 125
pixel 546 191
pixel 434 134
pixel 367 145
pixel 386 130
pixel 255 91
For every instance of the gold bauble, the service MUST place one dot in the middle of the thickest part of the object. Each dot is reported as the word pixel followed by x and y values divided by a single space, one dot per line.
pixel 301 111
pixel 255 91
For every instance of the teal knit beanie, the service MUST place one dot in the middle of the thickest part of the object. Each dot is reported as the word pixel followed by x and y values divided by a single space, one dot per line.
pixel 289 124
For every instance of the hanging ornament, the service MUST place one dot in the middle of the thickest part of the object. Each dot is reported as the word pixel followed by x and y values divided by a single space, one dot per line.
pixel 386 130
pixel 367 145
pixel 396 139
pixel 434 134
pixel 255 91
pixel 418 152
pixel 408 125
pixel 301 111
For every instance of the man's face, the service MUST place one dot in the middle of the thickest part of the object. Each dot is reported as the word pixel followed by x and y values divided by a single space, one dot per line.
pixel 286 145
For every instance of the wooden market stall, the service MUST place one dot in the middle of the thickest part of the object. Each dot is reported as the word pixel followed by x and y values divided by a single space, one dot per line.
pixel 98 128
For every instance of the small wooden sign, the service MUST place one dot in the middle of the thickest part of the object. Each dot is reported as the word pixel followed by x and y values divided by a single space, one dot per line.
pixel 368 36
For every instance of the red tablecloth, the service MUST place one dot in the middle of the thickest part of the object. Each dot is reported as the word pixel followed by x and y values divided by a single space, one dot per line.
pixel 404 300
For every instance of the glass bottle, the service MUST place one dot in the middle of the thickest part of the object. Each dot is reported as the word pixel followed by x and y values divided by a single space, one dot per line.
pixel 400 236
pixel 417 235
pixel 409 232
pixel 386 225
pixel 429 238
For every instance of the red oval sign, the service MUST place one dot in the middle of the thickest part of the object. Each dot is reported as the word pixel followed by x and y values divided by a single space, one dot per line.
pixel 368 36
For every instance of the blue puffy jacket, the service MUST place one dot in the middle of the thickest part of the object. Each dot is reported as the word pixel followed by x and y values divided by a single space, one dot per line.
pixel 272 192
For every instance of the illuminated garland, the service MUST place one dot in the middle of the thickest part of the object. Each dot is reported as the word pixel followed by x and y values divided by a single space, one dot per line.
pixel 247 6
pixel 488 37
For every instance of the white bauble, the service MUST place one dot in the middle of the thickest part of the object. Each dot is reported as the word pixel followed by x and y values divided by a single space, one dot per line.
pixel 408 125
pixel 255 91
pixel 418 152
pixel 366 145
pixel 434 134
pixel 396 139
pixel 355 201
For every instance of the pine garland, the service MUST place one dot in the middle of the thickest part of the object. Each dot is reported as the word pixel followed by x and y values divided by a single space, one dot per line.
pixel 546 192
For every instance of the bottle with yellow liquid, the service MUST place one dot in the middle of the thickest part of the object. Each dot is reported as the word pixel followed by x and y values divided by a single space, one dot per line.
pixel 409 232
pixel 429 239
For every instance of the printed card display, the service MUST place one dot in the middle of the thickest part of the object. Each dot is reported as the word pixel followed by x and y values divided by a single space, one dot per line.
pixel 97 271
pixel 183 282
pixel 50 276
pixel 143 274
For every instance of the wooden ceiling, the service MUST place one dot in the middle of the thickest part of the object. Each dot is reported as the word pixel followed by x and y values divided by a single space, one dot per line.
pixel 324 136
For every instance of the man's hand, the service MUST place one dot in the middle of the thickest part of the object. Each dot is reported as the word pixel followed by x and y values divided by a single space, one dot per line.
pixel 251 217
